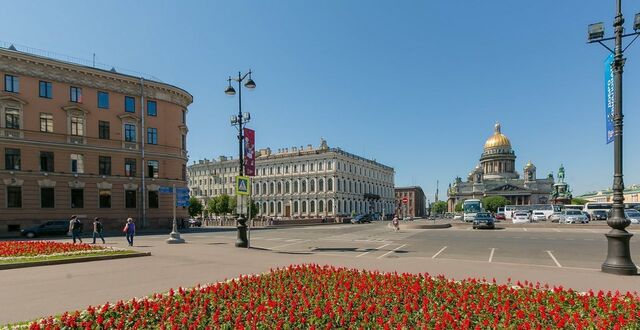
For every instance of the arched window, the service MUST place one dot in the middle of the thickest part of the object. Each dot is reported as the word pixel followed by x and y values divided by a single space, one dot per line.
pixel 330 206
pixel 271 188
pixel 271 208
pixel 330 184
pixel 304 186
pixel 279 207
pixel 338 181
pixel 312 185
pixel 312 206
pixel 295 187
pixel 279 188
pixel 264 208
pixel 295 207
pixel 287 187
pixel 264 188
pixel 304 207
pixel 321 206
pixel 257 188
pixel 321 185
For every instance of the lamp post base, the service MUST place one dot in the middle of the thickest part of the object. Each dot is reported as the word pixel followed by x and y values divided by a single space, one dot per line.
pixel 174 237
pixel 618 254
pixel 242 240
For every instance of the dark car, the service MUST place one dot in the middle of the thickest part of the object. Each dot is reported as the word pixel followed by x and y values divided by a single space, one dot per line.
pixel 361 218
pixel 599 215
pixel 483 220
pixel 49 228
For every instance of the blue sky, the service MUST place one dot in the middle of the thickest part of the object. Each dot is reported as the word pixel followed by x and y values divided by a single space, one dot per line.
pixel 417 85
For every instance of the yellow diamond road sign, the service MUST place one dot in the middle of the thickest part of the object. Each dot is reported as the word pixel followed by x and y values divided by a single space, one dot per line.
pixel 242 185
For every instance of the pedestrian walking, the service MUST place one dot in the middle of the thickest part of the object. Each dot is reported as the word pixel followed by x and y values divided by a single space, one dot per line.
pixel 75 227
pixel 130 231
pixel 396 223
pixel 97 230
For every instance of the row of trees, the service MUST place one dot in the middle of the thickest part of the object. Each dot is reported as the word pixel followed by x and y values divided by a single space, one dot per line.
pixel 223 204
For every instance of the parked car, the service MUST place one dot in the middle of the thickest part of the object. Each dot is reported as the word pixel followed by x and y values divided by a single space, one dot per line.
pixel 586 214
pixel 555 217
pixel 599 215
pixel 49 228
pixel 633 215
pixel 538 216
pixel 573 216
pixel 483 220
pixel 361 218
pixel 520 217
pixel 195 222
pixel 500 216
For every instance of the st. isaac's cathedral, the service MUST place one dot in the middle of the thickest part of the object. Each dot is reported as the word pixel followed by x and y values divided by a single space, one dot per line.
pixel 496 175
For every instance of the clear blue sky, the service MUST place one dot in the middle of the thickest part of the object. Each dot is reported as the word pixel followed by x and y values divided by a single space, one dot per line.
pixel 416 85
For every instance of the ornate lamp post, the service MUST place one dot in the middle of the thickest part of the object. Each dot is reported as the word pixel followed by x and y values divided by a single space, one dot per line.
pixel 618 253
pixel 238 121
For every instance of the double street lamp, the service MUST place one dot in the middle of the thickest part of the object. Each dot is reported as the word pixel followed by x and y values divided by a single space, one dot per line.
pixel 238 121
pixel 618 252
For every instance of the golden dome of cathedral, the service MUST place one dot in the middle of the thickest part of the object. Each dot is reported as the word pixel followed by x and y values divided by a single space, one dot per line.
pixel 497 139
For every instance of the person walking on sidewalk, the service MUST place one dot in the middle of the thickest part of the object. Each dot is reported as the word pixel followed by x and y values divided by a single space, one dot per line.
pixel 75 227
pixel 97 230
pixel 396 223
pixel 130 231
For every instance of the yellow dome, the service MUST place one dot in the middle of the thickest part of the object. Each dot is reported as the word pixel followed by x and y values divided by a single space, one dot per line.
pixel 497 139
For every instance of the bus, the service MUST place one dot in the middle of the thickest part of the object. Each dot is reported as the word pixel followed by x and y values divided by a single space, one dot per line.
pixel 589 207
pixel 470 208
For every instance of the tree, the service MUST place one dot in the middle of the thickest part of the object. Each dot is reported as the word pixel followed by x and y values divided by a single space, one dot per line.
pixel 195 207
pixel 492 203
pixel 578 201
pixel 212 206
pixel 458 207
pixel 439 207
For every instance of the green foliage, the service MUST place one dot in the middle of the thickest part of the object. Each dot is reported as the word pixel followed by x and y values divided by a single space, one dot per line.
pixel 492 203
pixel 439 207
pixel 458 207
pixel 195 207
pixel 578 201
pixel 222 204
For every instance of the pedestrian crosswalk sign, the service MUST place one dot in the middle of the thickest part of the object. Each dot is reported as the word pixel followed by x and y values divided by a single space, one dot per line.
pixel 242 185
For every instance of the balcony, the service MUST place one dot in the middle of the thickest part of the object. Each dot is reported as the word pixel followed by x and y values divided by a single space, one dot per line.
pixel 11 133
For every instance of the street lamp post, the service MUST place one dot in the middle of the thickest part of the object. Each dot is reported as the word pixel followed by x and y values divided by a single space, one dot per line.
pixel 618 252
pixel 238 121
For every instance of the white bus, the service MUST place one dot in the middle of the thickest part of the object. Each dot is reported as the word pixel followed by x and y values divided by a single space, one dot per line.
pixel 470 208
pixel 589 207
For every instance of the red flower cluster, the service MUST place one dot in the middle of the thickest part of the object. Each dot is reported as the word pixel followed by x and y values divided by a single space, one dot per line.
pixel 324 297
pixel 37 248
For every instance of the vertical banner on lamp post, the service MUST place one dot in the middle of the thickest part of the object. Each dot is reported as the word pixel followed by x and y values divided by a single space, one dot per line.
pixel 609 96
pixel 249 152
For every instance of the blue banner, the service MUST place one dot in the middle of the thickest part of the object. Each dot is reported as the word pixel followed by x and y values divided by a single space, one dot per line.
pixel 609 99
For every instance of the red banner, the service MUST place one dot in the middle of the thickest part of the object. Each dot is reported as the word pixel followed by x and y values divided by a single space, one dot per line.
pixel 249 152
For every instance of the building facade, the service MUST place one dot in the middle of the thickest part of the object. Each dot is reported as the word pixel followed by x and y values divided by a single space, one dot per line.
pixel 417 201
pixel 90 142
pixel 303 182
pixel 631 195
pixel 496 175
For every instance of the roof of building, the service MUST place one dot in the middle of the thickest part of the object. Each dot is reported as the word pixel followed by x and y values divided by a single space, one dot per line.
pixel 497 140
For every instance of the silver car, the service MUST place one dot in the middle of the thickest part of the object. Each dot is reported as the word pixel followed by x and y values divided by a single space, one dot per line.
pixel 573 216
pixel 633 215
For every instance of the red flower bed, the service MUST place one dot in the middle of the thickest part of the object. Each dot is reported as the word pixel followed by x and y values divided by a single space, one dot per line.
pixel 37 248
pixel 315 297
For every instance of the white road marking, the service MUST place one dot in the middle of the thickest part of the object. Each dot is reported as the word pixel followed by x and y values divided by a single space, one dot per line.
pixel 435 255
pixel 554 259
pixel 557 230
pixel 394 250
pixel 283 245
pixel 294 240
pixel 491 255
pixel 275 239
pixel 525 229
pixel 378 248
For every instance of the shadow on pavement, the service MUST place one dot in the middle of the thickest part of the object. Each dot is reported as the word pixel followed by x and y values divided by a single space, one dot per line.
pixel 335 249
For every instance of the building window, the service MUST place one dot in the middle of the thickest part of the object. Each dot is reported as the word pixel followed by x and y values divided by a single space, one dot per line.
pixel 77 163
pixel 330 184
pixel 104 165
pixel 152 108
pixel 184 117
pixel 47 198
pixel 45 89
pixel 129 167
pixel 14 196
pixel 320 205
pixel 77 126
pixel 130 199
pixel 129 104
pixel 105 199
pixel 12 159
pixel 320 185
pixel 312 186
pixel 46 161
pixel 287 187
pixel 75 94
pixel 304 186
pixel 184 172
pixel 46 122
pixel 130 132
pixel 77 198
pixel 153 167
pixel 12 118
pixel 184 142
pixel 104 130
pixel 295 187
pixel 304 207
pixel 312 206
pixel 11 83
pixel 311 167
pixel 103 100
pixel 153 199
pixel 152 135
pixel 320 166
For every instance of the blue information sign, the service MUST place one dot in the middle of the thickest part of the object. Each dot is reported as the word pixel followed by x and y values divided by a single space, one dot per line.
pixel 609 96
pixel 182 196
pixel 165 190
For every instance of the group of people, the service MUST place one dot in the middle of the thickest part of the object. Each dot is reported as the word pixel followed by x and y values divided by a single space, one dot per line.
pixel 76 226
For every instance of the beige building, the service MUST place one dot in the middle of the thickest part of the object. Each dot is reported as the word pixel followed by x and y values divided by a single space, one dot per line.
pixel 631 195
pixel 80 140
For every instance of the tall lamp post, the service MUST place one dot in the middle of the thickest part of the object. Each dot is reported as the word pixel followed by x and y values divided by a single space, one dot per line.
pixel 618 252
pixel 238 121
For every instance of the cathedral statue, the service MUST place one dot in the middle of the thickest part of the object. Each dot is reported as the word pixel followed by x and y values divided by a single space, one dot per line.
pixel 561 173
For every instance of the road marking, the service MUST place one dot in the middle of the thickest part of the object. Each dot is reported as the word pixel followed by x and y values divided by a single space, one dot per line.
pixel 569 239
pixel 275 239
pixel 371 250
pixel 554 259
pixel 557 230
pixel 435 255
pixel 394 250
pixel 283 245
pixel 491 255
pixel 525 229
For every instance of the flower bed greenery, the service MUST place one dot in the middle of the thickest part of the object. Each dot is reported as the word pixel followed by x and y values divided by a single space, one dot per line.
pixel 324 297
pixel 12 252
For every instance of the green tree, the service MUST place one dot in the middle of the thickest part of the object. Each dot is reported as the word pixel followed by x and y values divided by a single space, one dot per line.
pixel 492 203
pixel 223 204
pixel 578 201
pixel 458 207
pixel 212 206
pixel 195 207
pixel 439 207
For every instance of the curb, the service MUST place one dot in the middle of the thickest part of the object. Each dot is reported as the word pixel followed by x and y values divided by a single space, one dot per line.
pixel 72 261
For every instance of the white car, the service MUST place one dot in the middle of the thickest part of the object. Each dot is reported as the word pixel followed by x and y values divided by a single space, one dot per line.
pixel 573 216
pixel 520 217
pixel 633 215
pixel 457 217
pixel 538 216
